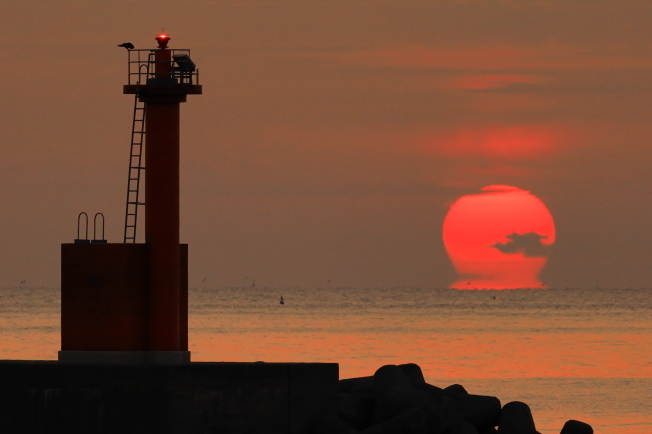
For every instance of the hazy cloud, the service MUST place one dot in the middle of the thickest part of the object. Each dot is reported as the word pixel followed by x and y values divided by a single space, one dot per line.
pixel 517 142
pixel 499 58
pixel 491 81
pixel 529 244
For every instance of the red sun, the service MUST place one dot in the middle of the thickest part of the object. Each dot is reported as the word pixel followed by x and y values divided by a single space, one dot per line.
pixel 498 239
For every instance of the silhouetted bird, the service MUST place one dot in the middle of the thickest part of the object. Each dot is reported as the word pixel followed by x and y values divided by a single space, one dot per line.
pixel 127 45
pixel 282 302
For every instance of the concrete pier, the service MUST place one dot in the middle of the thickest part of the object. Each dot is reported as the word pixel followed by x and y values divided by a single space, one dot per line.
pixel 197 398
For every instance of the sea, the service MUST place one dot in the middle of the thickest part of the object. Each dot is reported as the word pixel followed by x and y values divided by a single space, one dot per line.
pixel 569 353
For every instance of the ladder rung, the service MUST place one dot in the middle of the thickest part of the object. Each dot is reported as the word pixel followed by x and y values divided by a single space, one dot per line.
pixel 136 203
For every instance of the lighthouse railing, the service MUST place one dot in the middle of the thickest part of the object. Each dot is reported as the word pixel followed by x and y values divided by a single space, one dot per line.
pixel 141 67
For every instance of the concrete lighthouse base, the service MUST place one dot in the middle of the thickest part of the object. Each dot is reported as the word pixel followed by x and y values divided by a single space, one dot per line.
pixel 105 299
pixel 197 398
pixel 126 357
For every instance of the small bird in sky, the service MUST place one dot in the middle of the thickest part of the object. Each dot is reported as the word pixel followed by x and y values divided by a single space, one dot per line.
pixel 127 45
pixel 282 302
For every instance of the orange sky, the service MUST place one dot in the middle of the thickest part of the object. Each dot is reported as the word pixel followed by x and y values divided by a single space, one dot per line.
pixel 333 136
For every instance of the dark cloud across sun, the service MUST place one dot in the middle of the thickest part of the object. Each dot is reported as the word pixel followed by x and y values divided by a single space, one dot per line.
pixel 528 243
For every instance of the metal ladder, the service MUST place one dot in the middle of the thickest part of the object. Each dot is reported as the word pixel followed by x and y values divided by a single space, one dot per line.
pixel 135 168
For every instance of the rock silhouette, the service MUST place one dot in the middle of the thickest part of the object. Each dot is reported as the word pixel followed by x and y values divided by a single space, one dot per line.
pixel 576 427
pixel 397 400
pixel 516 418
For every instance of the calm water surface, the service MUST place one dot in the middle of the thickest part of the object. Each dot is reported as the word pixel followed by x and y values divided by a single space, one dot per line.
pixel 568 353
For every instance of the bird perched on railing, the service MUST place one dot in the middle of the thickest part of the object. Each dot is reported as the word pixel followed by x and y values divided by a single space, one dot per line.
pixel 127 45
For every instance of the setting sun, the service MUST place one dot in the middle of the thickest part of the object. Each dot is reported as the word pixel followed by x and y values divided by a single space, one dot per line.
pixel 498 239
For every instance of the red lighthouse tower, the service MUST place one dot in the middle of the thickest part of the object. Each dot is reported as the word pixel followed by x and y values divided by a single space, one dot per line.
pixel 127 302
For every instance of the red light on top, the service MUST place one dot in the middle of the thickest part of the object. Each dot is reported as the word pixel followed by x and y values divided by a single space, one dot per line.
pixel 163 41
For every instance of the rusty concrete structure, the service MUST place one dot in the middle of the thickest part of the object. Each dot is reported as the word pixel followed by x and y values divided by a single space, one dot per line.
pixel 128 302
pixel 124 364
